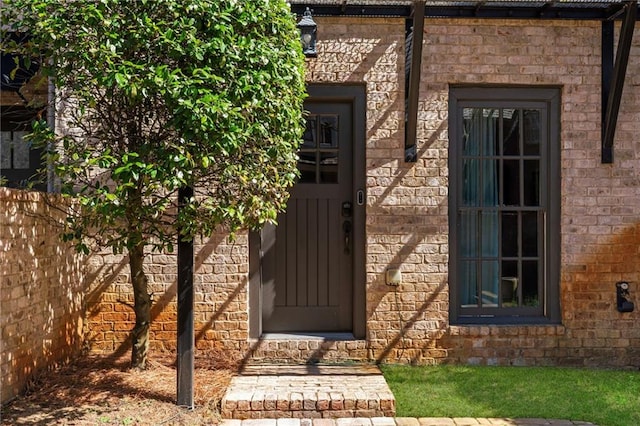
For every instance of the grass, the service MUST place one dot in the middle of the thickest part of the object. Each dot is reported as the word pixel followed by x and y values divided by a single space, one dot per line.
pixel 604 397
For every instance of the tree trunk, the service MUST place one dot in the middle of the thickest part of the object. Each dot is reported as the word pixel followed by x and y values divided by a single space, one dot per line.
pixel 142 308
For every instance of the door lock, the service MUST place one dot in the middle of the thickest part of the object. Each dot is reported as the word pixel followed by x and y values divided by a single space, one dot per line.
pixel 346 209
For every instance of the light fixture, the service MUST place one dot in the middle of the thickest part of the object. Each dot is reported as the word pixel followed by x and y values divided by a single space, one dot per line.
pixel 308 34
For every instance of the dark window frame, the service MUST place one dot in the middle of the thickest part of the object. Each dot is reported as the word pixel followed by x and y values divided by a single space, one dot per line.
pixel 547 99
pixel 19 119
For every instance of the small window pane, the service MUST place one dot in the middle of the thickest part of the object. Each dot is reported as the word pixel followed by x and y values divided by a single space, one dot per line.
pixel 510 268
pixel 307 167
pixel 509 282
pixel 5 150
pixel 468 287
pixel 531 132
pixel 471 182
pixel 480 130
pixel 490 136
pixel 511 182
pixel 489 183
pixel 310 136
pixel 510 234
pixel 21 151
pixel 469 234
pixel 509 291
pixel 530 234
pixel 489 233
pixel 472 128
pixel 511 132
pixel 490 283
pixel 531 183
pixel 530 292
pixel 329 167
pixel 329 131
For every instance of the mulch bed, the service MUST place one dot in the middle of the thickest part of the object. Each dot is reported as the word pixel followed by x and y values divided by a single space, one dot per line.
pixel 98 390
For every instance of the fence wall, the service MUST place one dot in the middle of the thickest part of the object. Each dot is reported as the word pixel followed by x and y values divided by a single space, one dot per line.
pixel 42 288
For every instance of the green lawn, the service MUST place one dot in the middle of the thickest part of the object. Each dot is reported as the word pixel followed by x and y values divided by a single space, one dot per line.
pixel 604 397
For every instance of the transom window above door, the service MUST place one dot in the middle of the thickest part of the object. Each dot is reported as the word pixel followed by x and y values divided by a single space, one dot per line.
pixel 318 155
pixel 504 198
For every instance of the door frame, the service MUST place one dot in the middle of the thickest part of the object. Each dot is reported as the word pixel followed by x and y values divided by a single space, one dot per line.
pixel 328 93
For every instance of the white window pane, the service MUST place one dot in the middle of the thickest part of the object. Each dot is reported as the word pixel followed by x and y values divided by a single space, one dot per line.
pixel 20 151
pixel 5 150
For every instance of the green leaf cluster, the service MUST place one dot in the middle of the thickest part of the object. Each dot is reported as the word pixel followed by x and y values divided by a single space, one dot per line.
pixel 155 95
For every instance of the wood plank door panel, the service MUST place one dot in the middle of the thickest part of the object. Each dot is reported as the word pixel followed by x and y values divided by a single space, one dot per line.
pixel 307 259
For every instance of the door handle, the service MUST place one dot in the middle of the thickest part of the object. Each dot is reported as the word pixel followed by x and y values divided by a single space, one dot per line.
pixel 346 228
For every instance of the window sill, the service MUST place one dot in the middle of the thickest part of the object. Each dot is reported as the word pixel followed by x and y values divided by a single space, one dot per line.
pixel 511 329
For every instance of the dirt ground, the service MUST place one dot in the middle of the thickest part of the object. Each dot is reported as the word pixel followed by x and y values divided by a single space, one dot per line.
pixel 95 390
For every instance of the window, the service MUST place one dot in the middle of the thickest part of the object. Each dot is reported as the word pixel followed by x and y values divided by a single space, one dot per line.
pixel 504 205
pixel 318 155
pixel 19 162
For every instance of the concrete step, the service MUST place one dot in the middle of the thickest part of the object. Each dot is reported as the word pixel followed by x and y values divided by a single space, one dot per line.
pixel 308 391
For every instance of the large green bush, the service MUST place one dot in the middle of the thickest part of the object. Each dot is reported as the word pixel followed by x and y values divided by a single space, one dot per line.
pixel 164 94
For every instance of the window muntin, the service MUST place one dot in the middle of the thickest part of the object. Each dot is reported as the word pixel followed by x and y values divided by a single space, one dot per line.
pixel 500 161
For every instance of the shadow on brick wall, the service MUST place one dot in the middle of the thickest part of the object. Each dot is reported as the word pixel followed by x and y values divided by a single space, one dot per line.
pixel 415 308
pixel 163 310
pixel 42 304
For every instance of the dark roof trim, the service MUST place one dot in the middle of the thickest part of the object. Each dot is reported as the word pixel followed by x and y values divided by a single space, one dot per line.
pixel 575 10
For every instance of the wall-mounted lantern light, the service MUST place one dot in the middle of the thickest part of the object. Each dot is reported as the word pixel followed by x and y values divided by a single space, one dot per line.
pixel 308 34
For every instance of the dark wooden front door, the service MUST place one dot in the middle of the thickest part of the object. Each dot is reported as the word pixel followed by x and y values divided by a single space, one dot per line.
pixel 307 259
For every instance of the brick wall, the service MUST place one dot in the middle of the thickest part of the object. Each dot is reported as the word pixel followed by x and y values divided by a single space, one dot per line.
pixel 220 287
pixel 407 207
pixel 42 303
pixel 600 208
